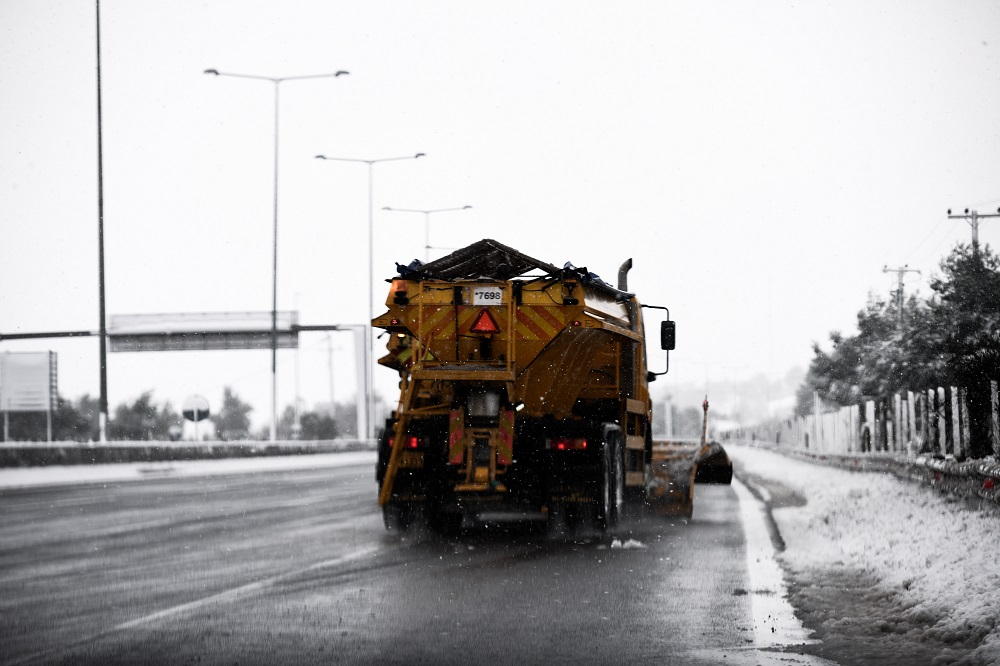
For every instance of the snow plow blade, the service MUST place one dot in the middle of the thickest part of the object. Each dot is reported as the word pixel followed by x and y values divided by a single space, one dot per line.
pixel 713 465
pixel 678 465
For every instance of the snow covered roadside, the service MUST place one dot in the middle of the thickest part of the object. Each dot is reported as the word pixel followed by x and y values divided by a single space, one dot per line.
pixel 24 477
pixel 938 556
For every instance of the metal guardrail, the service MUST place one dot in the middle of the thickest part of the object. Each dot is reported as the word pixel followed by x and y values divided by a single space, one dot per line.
pixel 968 479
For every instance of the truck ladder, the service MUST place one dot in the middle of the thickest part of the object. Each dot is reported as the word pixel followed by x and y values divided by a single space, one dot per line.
pixel 385 494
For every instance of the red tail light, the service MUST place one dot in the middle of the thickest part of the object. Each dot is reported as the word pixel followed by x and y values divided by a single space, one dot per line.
pixel 411 442
pixel 398 291
pixel 567 443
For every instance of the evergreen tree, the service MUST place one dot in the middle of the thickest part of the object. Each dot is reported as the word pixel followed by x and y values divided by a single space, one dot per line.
pixel 318 426
pixel 951 340
pixel 77 422
pixel 142 420
pixel 233 421
pixel 968 309
pixel 314 425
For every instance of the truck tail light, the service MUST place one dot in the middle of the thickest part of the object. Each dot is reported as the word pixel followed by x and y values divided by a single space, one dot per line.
pixel 411 442
pixel 399 295
pixel 566 443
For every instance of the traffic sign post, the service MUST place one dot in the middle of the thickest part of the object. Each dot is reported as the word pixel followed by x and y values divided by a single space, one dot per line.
pixel 195 409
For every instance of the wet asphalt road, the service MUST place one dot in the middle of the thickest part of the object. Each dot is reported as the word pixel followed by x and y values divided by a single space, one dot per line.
pixel 296 568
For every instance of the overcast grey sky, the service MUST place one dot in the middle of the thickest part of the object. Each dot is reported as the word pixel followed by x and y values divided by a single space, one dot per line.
pixel 760 162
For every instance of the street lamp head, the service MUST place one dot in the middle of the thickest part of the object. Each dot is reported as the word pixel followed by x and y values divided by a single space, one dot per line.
pixel 321 157
pixel 419 155
pixel 341 73
pixel 214 72
pixel 466 207
pixel 386 208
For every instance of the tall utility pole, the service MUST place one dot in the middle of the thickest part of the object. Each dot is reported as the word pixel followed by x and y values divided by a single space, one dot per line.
pixel 900 272
pixel 972 217
pixel 102 405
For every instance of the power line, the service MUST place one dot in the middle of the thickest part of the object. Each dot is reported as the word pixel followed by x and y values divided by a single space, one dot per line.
pixel 937 245
pixel 930 233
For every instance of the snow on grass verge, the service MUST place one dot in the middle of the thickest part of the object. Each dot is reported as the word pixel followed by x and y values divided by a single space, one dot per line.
pixel 937 554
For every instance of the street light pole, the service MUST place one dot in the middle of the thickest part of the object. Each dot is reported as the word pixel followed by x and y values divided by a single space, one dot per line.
pixel 427 223
pixel 369 341
pixel 102 405
pixel 277 81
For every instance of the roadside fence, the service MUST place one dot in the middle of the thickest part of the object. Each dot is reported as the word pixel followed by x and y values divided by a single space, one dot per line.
pixel 923 436
pixel 935 421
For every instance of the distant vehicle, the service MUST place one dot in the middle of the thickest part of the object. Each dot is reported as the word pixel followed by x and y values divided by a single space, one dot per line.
pixel 524 395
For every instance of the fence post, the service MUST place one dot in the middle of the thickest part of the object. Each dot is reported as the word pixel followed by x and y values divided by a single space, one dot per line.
pixel 930 437
pixel 817 421
pixel 844 429
pixel 963 411
pixel 994 420
pixel 897 415
pixel 956 423
pixel 942 424
pixel 855 428
pixel 870 423
pixel 890 429
pixel 911 417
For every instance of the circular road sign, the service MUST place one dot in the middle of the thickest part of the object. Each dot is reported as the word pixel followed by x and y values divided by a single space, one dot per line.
pixel 195 408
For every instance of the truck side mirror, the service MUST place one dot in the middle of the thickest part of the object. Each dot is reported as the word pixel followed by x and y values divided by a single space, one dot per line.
pixel 668 335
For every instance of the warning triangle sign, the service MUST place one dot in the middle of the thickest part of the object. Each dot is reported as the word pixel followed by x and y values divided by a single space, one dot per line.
pixel 485 323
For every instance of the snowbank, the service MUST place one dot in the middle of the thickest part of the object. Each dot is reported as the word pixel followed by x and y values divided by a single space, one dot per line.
pixel 937 553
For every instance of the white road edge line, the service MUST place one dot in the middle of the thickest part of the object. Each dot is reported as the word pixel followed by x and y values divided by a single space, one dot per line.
pixel 243 589
pixel 774 621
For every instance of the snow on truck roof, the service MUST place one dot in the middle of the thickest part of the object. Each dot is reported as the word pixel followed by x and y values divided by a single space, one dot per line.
pixel 489 259
pixel 483 259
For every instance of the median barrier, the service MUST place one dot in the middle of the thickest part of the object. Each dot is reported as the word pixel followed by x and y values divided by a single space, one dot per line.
pixel 37 454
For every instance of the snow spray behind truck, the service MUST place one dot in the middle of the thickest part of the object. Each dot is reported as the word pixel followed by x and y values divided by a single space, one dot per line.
pixel 524 394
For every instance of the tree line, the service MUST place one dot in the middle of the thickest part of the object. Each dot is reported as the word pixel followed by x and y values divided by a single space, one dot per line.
pixel 951 338
pixel 144 420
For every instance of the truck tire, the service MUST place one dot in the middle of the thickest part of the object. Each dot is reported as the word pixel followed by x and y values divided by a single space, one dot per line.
pixel 396 517
pixel 611 482
pixel 383 452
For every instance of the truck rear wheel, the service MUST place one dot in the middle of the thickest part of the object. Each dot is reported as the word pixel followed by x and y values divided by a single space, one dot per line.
pixel 396 517
pixel 612 481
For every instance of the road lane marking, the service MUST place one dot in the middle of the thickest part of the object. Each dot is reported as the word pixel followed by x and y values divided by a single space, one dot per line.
pixel 49 655
pixel 774 621
pixel 241 590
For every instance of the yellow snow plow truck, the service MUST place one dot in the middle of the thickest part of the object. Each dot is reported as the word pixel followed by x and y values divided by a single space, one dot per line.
pixel 524 395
